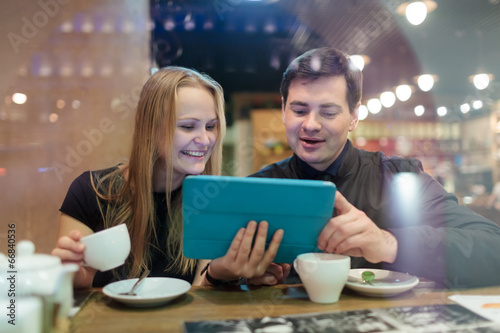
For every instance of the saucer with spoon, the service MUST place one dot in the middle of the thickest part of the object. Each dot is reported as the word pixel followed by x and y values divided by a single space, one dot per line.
pixel 146 291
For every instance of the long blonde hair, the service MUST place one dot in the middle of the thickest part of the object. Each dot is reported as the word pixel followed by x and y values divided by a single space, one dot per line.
pixel 128 191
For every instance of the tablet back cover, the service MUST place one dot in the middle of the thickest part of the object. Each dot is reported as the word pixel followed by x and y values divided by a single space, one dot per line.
pixel 215 207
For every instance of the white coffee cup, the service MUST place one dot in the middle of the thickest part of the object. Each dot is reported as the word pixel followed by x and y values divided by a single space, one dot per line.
pixel 107 249
pixel 323 275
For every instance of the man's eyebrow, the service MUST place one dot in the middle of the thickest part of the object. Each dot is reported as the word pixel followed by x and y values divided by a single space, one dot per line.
pixel 298 103
pixel 323 106
pixel 330 105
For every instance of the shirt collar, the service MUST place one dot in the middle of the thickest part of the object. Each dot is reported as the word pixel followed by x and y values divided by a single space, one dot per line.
pixel 310 173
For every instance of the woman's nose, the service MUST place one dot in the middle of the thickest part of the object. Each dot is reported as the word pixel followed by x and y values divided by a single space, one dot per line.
pixel 202 138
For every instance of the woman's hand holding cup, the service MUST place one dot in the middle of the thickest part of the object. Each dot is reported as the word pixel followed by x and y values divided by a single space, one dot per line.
pixel 71 250
pixel 103 250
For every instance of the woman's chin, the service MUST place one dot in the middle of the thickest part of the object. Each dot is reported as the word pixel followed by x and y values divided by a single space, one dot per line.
pixel 196 172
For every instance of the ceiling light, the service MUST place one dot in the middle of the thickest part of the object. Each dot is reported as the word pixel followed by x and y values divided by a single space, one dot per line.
pixel 189 23
pixel 426 81
pixel 53 118
pixel 360 61
pixel 477 104
pixel 275 61
pixel 169 24
pixel 66 70
pixel 416 11
pixel 87 26
pixel 208 25
pixel 60 103
pixel 442 111
pixel 374 105
pixel 362 112
pixel 19 98
pixel 482 80
pixel 270 26
pixel 419 110
pixel 387 98
pixel 465 108
pixel 250 27
pixel 66 27
pixel 403 92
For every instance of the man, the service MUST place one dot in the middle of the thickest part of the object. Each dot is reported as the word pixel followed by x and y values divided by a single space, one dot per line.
pixel 388 213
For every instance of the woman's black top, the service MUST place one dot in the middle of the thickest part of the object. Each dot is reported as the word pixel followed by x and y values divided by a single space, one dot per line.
pixel 81 203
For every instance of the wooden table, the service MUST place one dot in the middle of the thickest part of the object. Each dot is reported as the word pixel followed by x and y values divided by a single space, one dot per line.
pixel 102 314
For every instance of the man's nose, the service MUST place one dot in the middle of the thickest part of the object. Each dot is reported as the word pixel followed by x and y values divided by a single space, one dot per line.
pixel 311 123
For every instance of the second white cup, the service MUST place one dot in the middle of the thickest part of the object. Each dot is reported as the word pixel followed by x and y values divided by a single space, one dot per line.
pixel 323 275
pixel 107 249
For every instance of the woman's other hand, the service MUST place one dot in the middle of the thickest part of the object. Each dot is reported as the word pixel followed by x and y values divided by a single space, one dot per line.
pixel 275 274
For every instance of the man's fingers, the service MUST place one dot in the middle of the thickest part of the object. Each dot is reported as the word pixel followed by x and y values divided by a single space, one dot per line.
pixel 326 233
pixel 347 232
pixel 341 204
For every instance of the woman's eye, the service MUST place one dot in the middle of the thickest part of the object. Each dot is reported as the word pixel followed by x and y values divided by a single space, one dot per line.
pixel 211 127
pixel 187 127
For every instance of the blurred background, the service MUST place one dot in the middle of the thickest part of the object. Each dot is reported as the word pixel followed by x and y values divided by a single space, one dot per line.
pixel 71 74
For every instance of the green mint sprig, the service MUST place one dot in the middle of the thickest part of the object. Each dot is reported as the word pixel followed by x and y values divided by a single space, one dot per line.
pixel 368 277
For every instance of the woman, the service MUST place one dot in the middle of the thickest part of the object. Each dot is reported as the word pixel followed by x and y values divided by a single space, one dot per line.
pixel 179 128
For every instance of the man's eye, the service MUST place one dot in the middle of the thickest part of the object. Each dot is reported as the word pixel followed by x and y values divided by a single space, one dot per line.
pixel 299 112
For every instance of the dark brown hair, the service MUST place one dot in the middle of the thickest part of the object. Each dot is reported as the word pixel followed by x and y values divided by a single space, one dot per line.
pixel 325 62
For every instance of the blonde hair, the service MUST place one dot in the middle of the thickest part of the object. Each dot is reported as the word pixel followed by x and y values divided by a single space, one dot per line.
pixel 130 199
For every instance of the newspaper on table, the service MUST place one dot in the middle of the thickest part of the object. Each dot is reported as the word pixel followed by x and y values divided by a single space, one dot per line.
pixel 430 318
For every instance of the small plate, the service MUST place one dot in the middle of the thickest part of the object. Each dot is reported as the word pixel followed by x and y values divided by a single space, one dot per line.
pixel 385 283
pixel 152 291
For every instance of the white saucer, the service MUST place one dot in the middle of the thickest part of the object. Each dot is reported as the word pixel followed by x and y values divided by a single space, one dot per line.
pixel 385 283
pixel 151 292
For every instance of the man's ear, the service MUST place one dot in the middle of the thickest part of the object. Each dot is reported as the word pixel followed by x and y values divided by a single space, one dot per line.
pixel 282 109
pixel 354 118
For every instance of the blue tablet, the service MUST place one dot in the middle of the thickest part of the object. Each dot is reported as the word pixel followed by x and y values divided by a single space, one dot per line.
pixel 214 208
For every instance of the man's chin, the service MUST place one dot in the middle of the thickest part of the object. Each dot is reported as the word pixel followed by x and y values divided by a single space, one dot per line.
pixel 313 161
pixel 308 158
